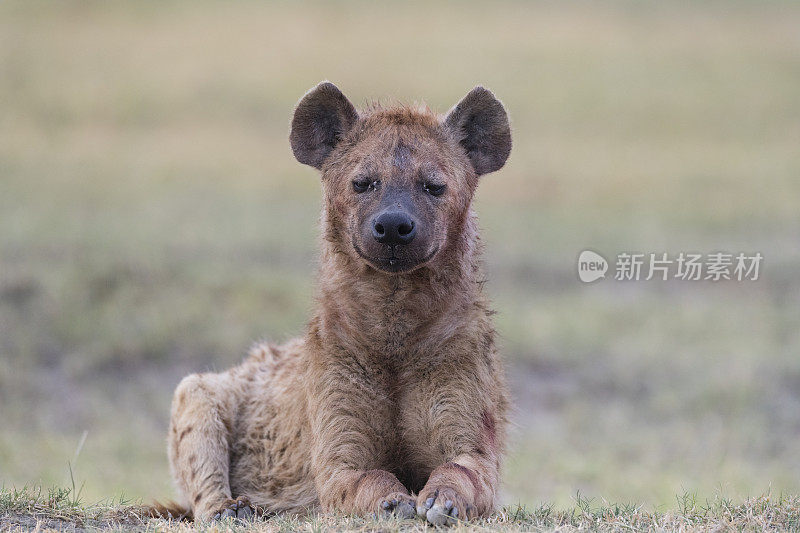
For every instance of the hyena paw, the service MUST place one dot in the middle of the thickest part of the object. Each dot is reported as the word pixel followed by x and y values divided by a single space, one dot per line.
pixel 238 509
pixel 397 504
pixel 444 506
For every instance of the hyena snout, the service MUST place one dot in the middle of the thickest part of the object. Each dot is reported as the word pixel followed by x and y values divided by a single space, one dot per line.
pixel 393 227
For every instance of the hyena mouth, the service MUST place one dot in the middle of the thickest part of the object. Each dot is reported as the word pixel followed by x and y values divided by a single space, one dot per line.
pixel 393 264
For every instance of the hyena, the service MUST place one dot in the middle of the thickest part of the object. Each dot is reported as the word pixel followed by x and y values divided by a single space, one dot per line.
pixel 394 401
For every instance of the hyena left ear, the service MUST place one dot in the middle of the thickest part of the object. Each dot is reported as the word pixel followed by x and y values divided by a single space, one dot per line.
pixel 322 117
pixel 480 123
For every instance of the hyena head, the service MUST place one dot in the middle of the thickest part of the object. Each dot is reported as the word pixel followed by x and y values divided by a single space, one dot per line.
pixel 398 182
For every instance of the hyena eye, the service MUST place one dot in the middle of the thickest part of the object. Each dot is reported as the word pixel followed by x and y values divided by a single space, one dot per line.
pixel 434 189
pixel 364 185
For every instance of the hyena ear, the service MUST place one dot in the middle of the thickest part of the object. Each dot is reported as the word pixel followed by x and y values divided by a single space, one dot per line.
pixel 480 124
pixel 321 119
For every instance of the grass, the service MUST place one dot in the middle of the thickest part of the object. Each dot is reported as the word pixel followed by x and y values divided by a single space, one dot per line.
pixel 59 509
pixel 153 223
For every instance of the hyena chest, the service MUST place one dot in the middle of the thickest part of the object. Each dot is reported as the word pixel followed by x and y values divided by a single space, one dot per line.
pixel 414 456
pixel 411 452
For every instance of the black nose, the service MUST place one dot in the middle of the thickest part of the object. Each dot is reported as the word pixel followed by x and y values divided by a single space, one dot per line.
pixel 394 227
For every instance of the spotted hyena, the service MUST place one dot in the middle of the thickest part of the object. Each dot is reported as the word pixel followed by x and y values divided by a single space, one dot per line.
pixel 394 400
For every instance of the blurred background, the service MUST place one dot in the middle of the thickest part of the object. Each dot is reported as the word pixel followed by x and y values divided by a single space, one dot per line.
pixel 153 222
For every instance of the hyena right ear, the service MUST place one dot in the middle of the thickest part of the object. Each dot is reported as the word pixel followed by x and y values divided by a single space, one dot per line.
pixel 480 124
pixel 322 117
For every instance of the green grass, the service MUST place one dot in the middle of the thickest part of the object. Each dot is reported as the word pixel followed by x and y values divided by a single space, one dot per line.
pixel 58 508
pixel 153 223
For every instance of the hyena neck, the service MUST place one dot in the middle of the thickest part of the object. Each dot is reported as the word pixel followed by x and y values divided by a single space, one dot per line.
pixel 380 312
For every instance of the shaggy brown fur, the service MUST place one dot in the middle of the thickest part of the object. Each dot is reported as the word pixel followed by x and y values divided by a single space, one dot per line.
pixel 394 401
